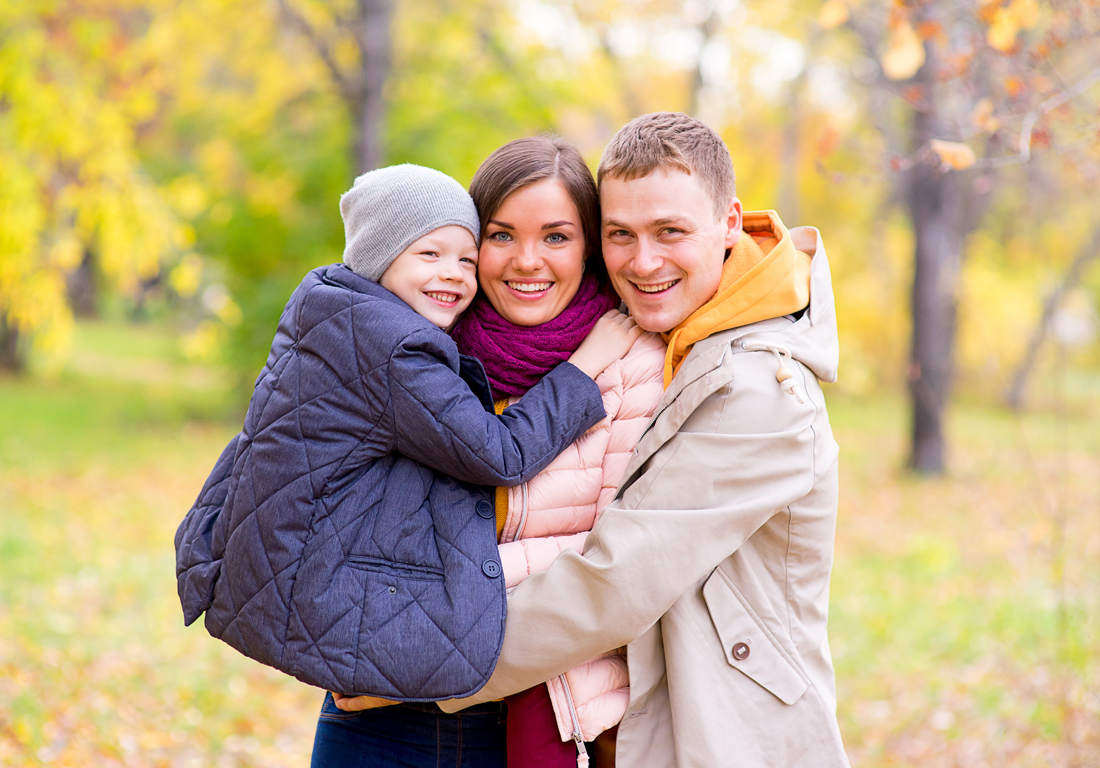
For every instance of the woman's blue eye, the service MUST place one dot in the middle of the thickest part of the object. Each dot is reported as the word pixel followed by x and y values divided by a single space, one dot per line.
pixel 500 236
pixel 556 237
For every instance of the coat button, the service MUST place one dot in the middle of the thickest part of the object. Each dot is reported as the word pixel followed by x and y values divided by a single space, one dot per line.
pixel 485 509
pixel 491 568
pixel 741 651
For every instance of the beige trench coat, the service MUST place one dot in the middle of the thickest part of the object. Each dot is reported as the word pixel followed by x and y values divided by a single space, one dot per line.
pixel 713 562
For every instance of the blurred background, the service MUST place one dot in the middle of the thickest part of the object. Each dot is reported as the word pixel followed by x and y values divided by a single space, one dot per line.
pixel 169 170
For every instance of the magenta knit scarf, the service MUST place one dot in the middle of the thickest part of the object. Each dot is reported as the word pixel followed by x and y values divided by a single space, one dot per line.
pixel 516 356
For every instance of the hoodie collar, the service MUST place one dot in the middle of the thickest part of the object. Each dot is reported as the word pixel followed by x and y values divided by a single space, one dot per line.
pixel 765 276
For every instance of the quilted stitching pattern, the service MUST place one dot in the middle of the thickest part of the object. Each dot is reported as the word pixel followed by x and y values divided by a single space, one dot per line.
pixel 317 549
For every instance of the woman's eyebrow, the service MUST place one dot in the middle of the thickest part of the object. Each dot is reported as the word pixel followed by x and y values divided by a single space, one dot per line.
pixel 501 224
pixel 555 224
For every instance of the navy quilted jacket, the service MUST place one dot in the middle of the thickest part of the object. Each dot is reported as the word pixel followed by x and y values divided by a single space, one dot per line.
pixel 347 535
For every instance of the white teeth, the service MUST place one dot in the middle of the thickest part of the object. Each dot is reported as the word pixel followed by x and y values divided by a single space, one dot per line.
pixel 450 298
pixel 528 287
pixel 655 288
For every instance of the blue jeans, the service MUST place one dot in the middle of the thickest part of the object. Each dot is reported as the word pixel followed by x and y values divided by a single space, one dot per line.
pixel 410 736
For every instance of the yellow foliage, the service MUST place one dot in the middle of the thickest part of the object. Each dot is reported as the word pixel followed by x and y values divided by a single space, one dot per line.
pixel 833 13
pixel 186 276
pixel 904 54
pixel 203 343
pixel 952 154
pixel 1009 20
pixel 67 252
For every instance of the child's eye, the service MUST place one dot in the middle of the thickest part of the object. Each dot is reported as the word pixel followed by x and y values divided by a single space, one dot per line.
pixel 469 260
pixel 430 254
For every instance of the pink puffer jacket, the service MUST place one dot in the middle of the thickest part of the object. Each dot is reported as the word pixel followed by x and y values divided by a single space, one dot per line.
pixel 557 508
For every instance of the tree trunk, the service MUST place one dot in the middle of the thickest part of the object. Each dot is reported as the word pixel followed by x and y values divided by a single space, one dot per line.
pixel 82 287
pixel 11 359
pixel 936 208
pixel 372 31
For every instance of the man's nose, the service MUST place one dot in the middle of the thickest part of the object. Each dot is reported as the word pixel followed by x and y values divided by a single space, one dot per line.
pixel 647 258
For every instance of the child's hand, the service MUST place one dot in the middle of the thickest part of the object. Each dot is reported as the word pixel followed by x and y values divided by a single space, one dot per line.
pixel 359 703
pixel 611 338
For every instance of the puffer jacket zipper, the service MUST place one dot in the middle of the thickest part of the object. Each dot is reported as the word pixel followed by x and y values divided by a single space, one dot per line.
pixel 578 735
pixel 522 513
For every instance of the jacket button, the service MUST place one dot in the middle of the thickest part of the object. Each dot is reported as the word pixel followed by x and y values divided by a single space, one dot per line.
pixel 741 651
pixel 491 568
pixel 485 509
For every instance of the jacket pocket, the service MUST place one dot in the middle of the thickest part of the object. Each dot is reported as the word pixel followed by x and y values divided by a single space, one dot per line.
pixel 402 570
pixel 749 647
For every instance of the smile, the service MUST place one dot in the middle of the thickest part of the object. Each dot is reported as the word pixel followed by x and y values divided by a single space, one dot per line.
pixel 528 287
pixel 657 287
pixel 446 298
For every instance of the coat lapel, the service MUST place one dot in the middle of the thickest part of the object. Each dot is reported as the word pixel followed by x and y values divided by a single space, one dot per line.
pixel 708 368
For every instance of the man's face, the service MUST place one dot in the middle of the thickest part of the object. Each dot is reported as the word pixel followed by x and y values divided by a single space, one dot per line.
pixel 663 247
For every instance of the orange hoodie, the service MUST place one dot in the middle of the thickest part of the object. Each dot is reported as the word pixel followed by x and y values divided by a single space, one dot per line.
pixel 764 277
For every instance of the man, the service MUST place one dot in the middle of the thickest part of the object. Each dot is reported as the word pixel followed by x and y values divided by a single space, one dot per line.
pixel 713 562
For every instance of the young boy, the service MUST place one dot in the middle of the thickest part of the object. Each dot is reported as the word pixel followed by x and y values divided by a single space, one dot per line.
pixel 346 536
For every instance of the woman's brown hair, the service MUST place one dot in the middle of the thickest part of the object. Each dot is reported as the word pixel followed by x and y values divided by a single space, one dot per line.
pixel 526 161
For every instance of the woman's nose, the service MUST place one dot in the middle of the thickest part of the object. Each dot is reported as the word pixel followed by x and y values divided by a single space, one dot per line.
pixel 527 258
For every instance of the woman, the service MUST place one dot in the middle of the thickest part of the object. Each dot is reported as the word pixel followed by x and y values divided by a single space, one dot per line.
pixel 543 286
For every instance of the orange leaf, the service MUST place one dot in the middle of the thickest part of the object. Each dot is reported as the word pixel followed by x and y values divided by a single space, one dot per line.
pixel 828 140
pixel 904 55
pixel 952 154
pixel 982 116
pixel 914 94
pixel 926 30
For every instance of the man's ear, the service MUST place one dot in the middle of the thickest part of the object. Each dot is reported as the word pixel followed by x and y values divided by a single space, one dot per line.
pixel 733 223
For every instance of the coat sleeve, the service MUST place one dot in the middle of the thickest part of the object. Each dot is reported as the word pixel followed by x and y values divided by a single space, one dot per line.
pixel 743 456
pixel 442 424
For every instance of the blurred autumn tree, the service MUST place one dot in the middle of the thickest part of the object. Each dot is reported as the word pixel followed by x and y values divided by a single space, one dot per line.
pixel 961 93
pixel 188 158
pixel 77 86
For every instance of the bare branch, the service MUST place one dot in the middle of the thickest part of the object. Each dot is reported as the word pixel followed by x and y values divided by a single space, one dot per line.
pixel 1050 105
pixel 1015 395
pixel 348 89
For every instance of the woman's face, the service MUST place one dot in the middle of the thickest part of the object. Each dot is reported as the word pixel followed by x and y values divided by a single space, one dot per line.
pixel 531 259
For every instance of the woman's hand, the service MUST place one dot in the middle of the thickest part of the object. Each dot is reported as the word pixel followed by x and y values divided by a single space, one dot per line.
pixel 359 703
pixel 611 338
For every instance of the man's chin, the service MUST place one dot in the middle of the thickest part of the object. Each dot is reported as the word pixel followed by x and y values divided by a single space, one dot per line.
pixel 651 321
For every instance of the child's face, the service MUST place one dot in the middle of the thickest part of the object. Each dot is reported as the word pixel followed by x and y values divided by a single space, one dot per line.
pixel 436 275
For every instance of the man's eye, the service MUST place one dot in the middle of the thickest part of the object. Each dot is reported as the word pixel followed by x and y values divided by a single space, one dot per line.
pixel 672 231
pixel 618 233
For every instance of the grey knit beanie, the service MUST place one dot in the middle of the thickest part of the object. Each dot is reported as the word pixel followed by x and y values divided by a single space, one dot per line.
pixel 386 210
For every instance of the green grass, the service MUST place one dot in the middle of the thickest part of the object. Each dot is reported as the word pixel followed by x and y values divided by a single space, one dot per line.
pixel 965 617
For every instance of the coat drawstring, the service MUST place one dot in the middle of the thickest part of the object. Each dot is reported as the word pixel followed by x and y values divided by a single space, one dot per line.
pixel 783 375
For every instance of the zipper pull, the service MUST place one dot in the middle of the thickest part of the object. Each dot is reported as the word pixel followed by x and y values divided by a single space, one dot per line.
pixel 582 753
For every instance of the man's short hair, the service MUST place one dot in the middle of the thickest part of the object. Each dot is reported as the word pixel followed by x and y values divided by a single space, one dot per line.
pixel 673 141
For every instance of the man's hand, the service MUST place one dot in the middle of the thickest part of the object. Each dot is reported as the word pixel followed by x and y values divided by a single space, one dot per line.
pixel 359 703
